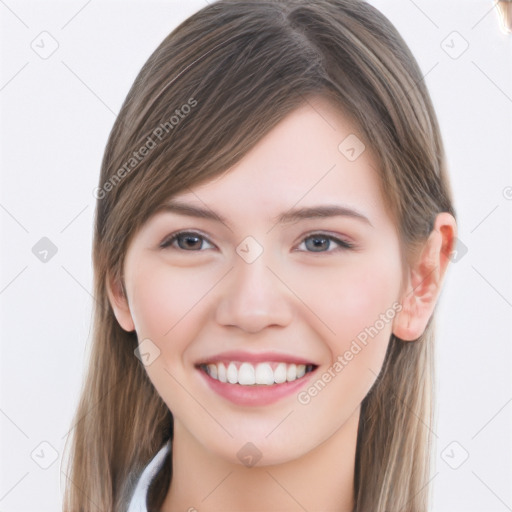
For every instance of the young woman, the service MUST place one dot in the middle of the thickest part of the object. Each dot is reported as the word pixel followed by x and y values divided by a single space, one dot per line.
pixel 274 222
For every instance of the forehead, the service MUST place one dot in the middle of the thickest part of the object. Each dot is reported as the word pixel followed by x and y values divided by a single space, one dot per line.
pixel 313 156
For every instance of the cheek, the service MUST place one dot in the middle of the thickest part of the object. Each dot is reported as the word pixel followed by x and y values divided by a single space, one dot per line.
pixel 351 298
pixel 359 305
pixel 170 306
pixel 166 304
pixel 154 306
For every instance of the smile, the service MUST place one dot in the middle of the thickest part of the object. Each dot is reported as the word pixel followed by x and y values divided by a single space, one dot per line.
pixel 249 374
pixel 252 379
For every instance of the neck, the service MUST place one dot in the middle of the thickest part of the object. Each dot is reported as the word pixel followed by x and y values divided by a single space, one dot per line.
pixel 322 479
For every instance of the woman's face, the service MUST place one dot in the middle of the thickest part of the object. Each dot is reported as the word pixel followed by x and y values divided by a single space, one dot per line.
pixel 270 326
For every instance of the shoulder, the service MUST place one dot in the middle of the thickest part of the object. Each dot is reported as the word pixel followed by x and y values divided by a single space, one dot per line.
pixel 138 501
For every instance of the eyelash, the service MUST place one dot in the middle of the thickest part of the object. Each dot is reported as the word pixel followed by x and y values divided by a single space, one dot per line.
pixel 343 245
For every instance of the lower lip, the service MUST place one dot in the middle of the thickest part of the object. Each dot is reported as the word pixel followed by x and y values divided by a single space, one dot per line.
pixel 255 395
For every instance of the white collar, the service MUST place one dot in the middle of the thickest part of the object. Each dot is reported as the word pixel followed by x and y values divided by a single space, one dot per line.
pixel 138 501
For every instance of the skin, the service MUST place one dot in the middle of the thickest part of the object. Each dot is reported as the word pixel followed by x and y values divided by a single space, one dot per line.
pixel 194 303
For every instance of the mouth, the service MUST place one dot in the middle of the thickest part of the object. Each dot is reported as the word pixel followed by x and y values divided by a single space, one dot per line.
pixel 255 380
pixel 245 373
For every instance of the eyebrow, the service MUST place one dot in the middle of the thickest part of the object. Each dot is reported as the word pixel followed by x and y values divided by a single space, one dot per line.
pixel 292 215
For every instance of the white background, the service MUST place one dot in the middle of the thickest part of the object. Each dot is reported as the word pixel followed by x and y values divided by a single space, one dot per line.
pixel 56 114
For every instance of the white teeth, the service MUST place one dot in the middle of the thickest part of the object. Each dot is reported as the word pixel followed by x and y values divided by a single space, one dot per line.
pixel 232 374
pixel 212 370
pixel 280 373
pixel 264 374
pixel 221 372
pixel 291 372
pixel 248 375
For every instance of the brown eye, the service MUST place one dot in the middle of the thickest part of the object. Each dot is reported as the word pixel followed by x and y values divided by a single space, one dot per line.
pixel 187 241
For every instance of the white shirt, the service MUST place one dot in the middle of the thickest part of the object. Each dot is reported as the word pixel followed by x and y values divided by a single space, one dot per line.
pixel 138 501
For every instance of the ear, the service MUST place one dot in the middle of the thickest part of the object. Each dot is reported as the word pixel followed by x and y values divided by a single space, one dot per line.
pixel 119 302
pixel 424 280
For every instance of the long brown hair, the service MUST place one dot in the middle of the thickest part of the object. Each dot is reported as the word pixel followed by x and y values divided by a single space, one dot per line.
pixel 212 89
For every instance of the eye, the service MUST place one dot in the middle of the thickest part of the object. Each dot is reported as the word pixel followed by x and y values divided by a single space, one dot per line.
pixel 186 240
pixel 321 241
pixel 193 242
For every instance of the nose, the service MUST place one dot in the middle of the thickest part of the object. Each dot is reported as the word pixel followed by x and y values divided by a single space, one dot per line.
pixel 254 297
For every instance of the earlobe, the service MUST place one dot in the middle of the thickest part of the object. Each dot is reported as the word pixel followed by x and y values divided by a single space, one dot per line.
pixel 425 279
pixel 119 303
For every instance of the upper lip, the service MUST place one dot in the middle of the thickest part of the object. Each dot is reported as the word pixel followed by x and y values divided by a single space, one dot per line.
pixel 260 357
